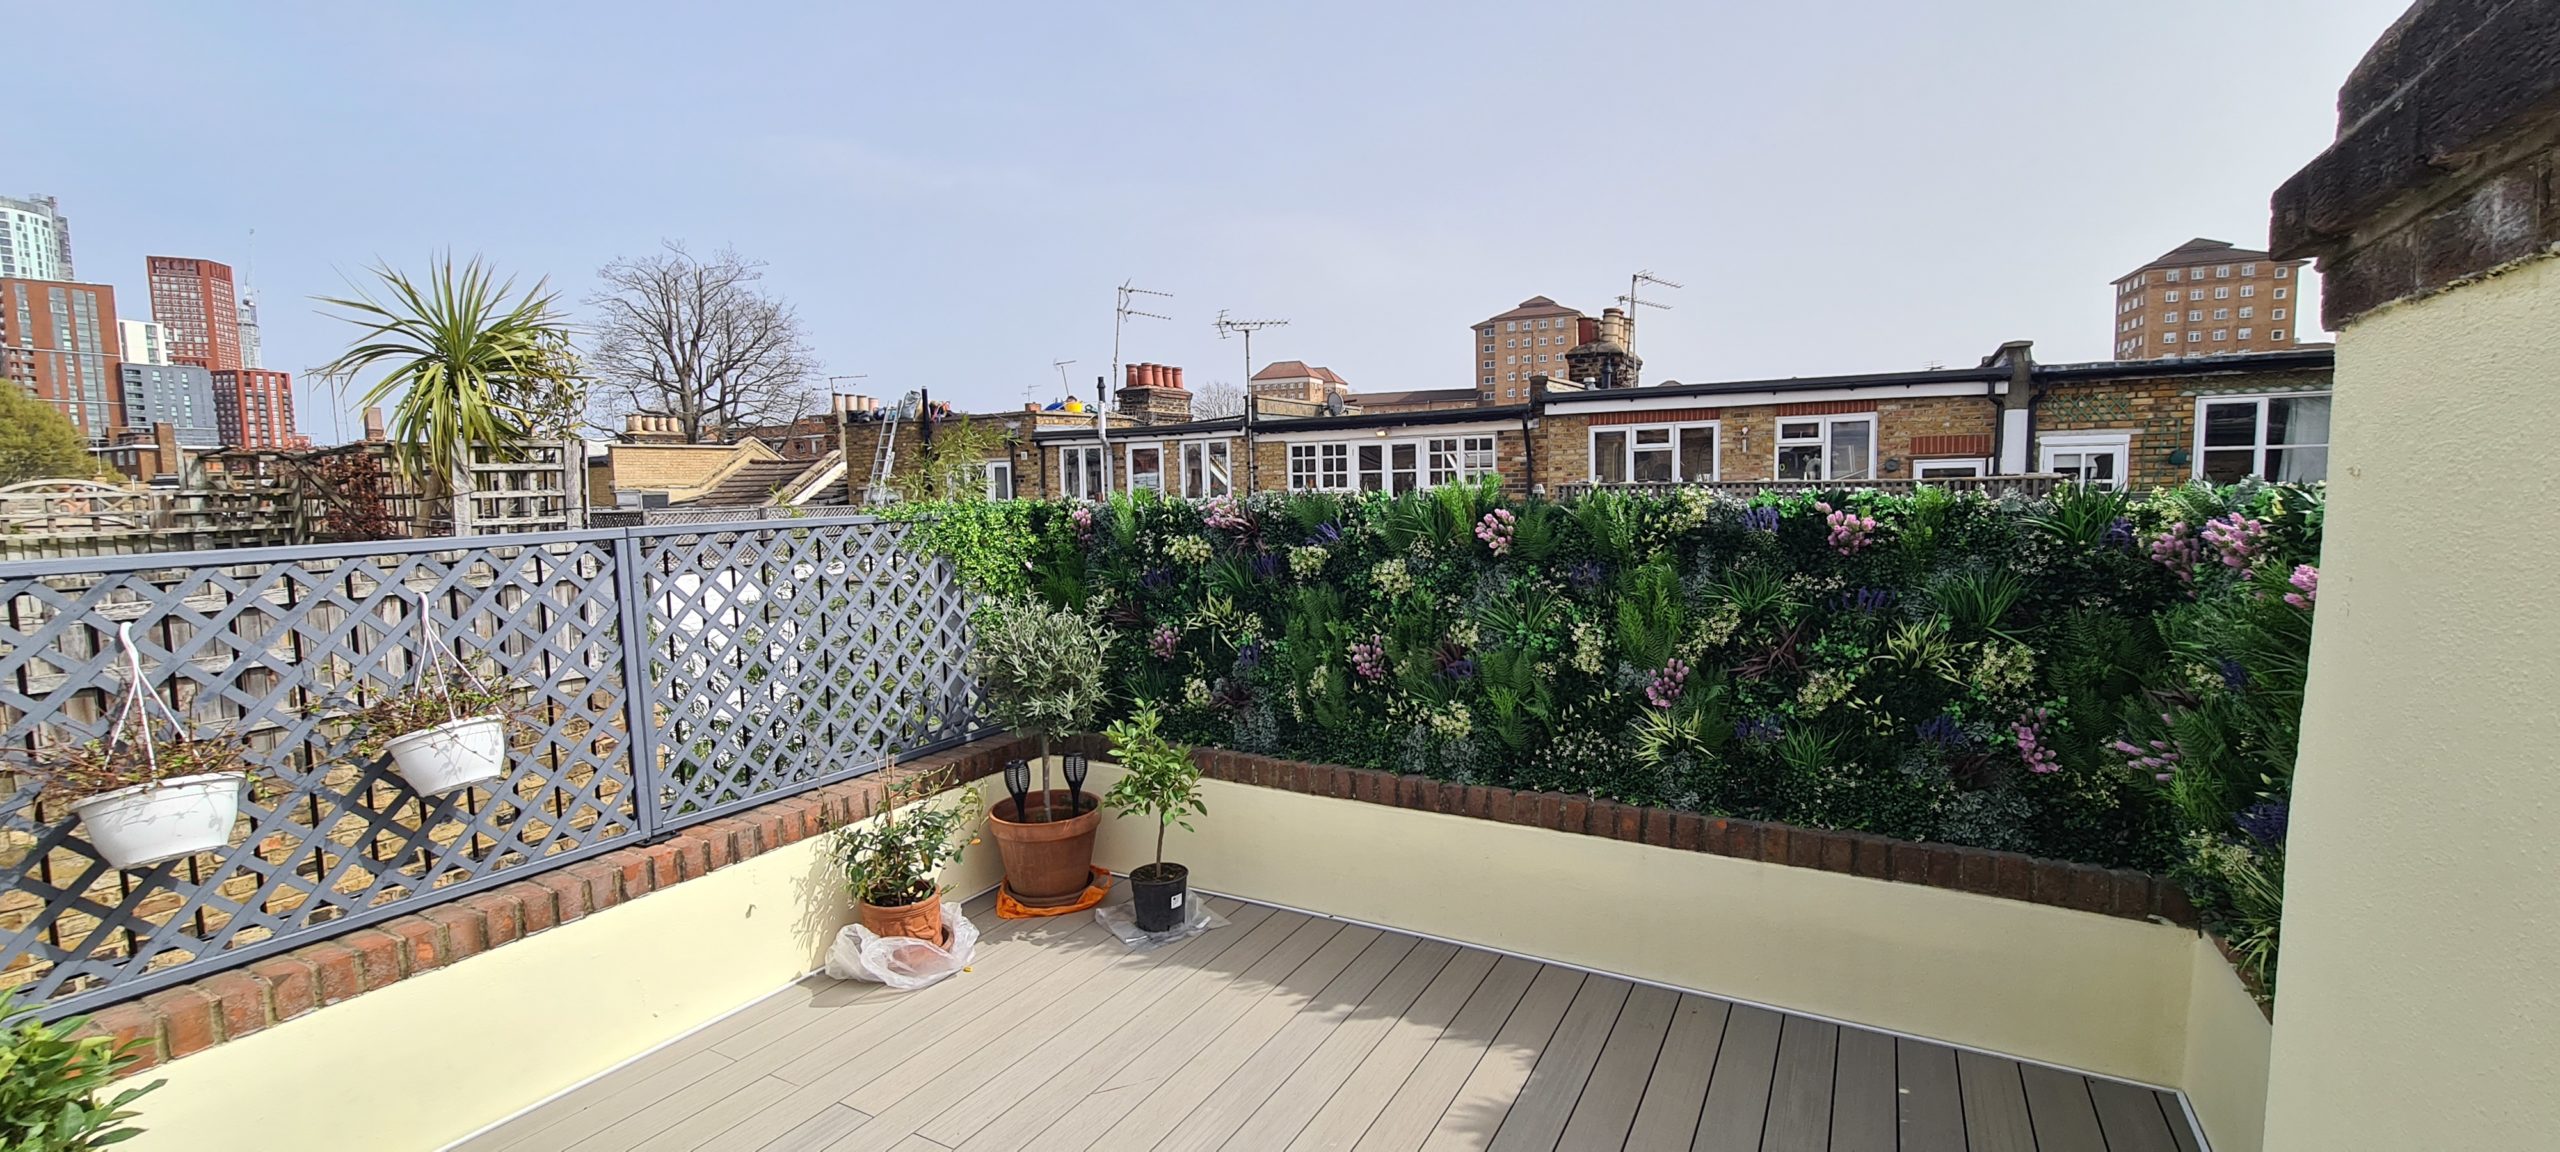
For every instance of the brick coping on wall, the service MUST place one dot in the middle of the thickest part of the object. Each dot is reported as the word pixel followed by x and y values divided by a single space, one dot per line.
pixel 191 1017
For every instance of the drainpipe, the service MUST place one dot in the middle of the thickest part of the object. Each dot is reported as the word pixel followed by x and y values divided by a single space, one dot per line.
pixel 1528 442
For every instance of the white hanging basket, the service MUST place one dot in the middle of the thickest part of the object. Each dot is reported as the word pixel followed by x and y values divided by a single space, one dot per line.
pixel 455 754
pixel 149 824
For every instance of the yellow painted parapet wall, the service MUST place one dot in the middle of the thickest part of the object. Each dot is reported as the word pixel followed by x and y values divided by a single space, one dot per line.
pixel 426 1061
pixel 433 1058
pixel 2420 918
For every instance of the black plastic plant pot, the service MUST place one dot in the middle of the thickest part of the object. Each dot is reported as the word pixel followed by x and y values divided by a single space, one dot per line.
pixel 1159 891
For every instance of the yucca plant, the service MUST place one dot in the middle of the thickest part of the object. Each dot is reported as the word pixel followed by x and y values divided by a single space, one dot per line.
pixel 472 366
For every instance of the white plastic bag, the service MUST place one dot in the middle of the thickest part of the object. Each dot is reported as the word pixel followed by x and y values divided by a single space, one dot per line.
pixel 1122 920
pixel 902 963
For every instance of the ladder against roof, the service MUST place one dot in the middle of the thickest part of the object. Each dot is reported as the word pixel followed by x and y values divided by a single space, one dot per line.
pixel 884 452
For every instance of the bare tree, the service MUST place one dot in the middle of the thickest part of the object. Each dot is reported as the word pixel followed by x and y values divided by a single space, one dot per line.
pixel 1217 400
pixel 695 340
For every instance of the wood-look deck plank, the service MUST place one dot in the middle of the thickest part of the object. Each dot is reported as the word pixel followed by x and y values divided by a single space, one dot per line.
pixel 2176 1114
pixel 1178 1050
pixel 1667 1119
pixel 1355 1104
pixel 1799 1118
pixel 2130 1117
pixel 1544 1105
pixel 2059 1107
pixel 1276 1119
pixel 862 1044
pixel 1606 1110
pixel 1474 1113
pixel 1738 1090
pixel 599 1105
pixel 922 1088
pixel 1995 1104
pixel 995 1118
pixel 1932 1107
pixel 1287 1032
pixel 812 1134
pixel 1406 1119
pixel 1254 1054
pixel 1862 1093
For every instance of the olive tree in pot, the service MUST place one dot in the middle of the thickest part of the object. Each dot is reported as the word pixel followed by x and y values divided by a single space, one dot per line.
pixel 1039 670
pixel 1159 780
pixel 893 865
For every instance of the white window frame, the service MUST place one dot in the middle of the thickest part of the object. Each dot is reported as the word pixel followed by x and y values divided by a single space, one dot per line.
pixel 1080 472
pixel 1627 449
pixel 1320 467
pixel 1949 467
pixel 2120 444
pixel 998 476
pixel 1208 468
pixel 1824 440
pixel 1335 465
pixel 1154 479
pixel 2258 447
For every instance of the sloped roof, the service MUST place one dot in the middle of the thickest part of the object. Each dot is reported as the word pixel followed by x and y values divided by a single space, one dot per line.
pixel 1298 370
pixel 1533 306
pixel 2203 251
pixel 753 484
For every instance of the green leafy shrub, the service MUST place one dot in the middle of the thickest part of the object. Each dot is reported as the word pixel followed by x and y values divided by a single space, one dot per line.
pixel 51 1081
pixel 898 857
pixel 1157 777
pixel 2003 672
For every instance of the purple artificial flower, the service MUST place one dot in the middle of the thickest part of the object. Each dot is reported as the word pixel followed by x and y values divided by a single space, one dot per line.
pixel 1266 565
pixel 1249 657
pixel 1943 730
pixel 1586 576
pixel 2120 535
pixel 2306 587
pixel 1760 519
pixel 2265 823
pixel 1326 534
pixel 1759 730
pixel 1156 579
pixel 2235 675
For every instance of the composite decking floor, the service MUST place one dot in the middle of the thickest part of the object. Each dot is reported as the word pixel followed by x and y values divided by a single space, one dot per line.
pixel 1286 1032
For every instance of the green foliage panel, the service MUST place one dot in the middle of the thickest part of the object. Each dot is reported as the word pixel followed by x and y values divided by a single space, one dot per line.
pixel 2087 676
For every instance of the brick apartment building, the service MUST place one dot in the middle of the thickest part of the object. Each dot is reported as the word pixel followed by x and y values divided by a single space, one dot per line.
pixel 253 408
pixel 2207 298
pixel 1508 348
pixel 195 301
pixel 58 342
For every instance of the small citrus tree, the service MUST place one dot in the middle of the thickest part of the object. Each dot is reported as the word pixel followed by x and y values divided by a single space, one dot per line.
pixel 1157 777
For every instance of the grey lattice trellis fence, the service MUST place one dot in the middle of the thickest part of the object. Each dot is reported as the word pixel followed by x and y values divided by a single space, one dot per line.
pixel 774 657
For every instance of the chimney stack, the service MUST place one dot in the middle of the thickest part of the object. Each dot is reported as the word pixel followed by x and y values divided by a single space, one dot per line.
pixel 373 426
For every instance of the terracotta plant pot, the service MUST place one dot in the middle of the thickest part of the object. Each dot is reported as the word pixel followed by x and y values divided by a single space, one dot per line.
pixel 1159 891
pixel 921 920
pixel 1047 863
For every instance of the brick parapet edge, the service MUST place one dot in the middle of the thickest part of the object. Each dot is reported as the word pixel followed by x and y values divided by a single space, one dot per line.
pixel 2008 875
pixel 188 1018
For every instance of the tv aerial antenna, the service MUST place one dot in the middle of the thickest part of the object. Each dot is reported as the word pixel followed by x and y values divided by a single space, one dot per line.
pixel 1120 315
pixel 1065 389
pixel 1634 300
pixel 1228 327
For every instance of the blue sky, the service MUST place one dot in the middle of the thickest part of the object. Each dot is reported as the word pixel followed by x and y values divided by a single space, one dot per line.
pixel 948 193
